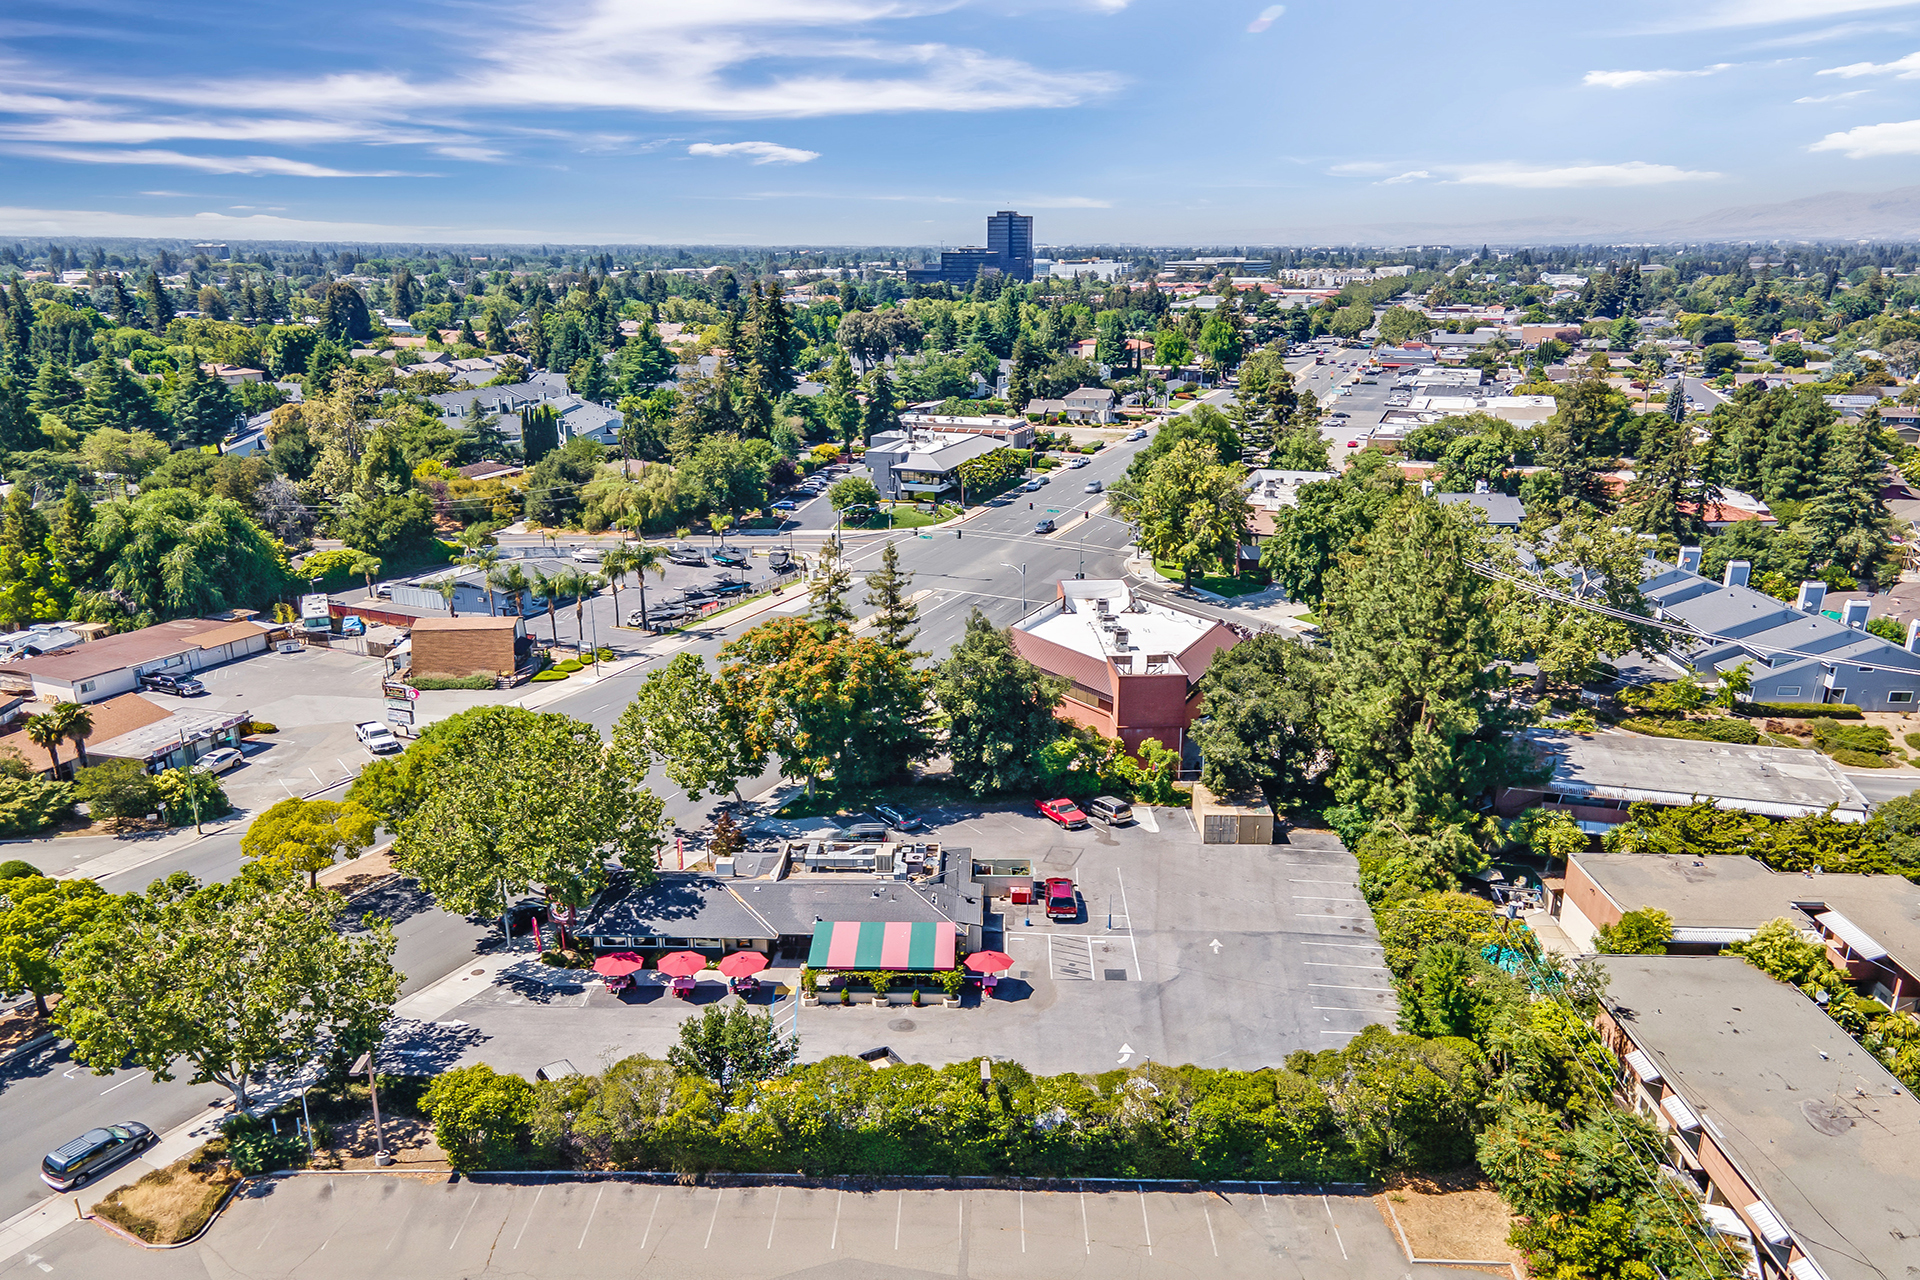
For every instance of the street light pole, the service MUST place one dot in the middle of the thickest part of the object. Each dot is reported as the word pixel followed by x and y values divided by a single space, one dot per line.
pixel 1023 584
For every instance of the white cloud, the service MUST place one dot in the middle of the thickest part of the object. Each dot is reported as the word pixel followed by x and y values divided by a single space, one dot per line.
pixel 1830 97
pixel 1627 79
pixel 200 226
pixel 1631 173
pixel 1412 175
pixel 206 164
pixel 1760 13
pixel 1268 16
pixel 761 152
pixel 1869 141
pixel 1907 68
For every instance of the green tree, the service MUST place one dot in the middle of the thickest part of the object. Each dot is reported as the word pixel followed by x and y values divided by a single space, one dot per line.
pixel 1408 718
pixel 882 410
pixel 1170 347
pixel 1548 834
pixel 74 722
pixel 343 314
pixel 116 789
pixel 158 305
pixel 298 835
pixel 678 717
pixel 1327 518
pixel 1847 522
pixel 852 491
pixel 529 801
pixel 997 708
pixel 1400 325
pixel 1189 508
pixel 128 455
pixel 169 554
pixel 1451 991
pixel 231 978
pixel 1643 932
pixel 1259 725
pixel 479 1116
pixel 39 920
pixel 203 407
pixel 824 702
pixel 1582 439
pixel 832 580
pixel 895 616
pixel 732 1046
pixel 394 526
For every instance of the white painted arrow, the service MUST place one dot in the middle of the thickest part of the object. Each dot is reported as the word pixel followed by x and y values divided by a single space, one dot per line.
pixel 1215 944
pixel 1126 1051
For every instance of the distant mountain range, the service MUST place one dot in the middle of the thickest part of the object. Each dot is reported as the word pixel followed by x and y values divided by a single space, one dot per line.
pixel 1831 215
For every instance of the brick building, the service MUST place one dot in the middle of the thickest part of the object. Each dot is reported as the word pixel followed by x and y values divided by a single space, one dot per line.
pixel 454 648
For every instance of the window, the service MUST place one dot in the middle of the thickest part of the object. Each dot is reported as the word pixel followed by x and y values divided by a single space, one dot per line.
pixel 1787 691
pixel 87 686
pixel 1901 696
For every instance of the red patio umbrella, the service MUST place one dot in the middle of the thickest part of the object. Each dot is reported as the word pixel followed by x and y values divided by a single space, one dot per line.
pixel 739 964
pixel 619 964
pixel 988 961
pixel 682 964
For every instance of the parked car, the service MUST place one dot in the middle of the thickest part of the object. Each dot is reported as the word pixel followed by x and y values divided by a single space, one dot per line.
pixel 179 686
pixel 1093 486
pixel 1111 810
pixel 867 831
pixel 730 556
pixel 589 555
pixel 353 626
pixel 902 818
pixel 1138 433
pixel 1353 444
pixel 75 1163
pixel 1079 462
pixel 219 760
pixel 1062 902
pixel 685 555
pixel 1063 811
pixel 786 504
pixel 1045 526
pixel 376 737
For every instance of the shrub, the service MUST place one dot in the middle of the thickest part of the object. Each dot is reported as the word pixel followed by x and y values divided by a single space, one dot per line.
pixel 1834 736
pixel 261 726
pixel 479 1116
pixel 570 665
pixel 1801 710
pixel 553 674
pixel 1645 932
pixel 453 682
pixel 953 981
pixel 1737 731
pixel 254 1147
pixel 604 654
pixel 28 805
pixel 1913 740
pixel 1859 759
pixel 117 789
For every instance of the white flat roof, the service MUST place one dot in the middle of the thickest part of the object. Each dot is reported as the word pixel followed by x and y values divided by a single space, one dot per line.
pixel 1151 629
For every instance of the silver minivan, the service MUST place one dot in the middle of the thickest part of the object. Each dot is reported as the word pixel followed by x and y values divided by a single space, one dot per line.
pixel 1111 811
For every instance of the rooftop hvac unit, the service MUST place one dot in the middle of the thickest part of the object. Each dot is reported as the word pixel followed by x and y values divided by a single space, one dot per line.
pixel 1120 636
pixel 1100 607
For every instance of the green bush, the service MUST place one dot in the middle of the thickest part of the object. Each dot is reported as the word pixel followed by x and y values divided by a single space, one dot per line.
pixel 1802 710
pixel 553 674
pixel 1859 759
pixel 1913 740
pixel 330 564
pixel 28 805
pixel 117 789
pixel 1833 736
pixel 604 654
pixel 261 726
pixel 1645 932
pixel 452 682
pixel 14 868
pixel 1718 730
pixel 254 1147
pixel 570 665
pixel 479 1116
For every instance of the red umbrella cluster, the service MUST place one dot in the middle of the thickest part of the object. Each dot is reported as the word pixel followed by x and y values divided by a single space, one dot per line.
pixel 681 964
pixel 619 964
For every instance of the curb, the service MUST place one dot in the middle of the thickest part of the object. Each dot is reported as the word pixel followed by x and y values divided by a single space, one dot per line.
pixel 205 1227
pixel 21 1051
pixel 1407 1249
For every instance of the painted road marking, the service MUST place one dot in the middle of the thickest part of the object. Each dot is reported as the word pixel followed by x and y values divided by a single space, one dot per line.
pixel 530 1208
pixel 1084 1233
pixel 776 1215
pixel 1325 964
pixel 656 1209
pixel 463 1223
pixel 718 1197
pixel 1210 1236
pixel 1370 946
pixel 1144 1224
pixel 1126 1051
pixel 1336 1227
pixel 1329 986
pixel 590 1213
pixel 842 1199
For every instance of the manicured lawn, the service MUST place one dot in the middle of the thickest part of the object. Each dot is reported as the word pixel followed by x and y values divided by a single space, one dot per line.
pixel 1220 584
pixel 907 517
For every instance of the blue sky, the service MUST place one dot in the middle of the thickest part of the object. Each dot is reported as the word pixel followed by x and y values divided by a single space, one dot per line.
pixel 905 121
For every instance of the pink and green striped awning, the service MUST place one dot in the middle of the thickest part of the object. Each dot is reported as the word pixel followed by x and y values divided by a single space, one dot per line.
pixel 878 944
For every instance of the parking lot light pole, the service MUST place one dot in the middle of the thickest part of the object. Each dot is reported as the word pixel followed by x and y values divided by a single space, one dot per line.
pixel 1023 584
pixel 381 1156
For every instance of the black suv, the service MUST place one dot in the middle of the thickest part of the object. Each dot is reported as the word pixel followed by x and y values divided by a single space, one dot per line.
pixel 901 817
pixel 74 1164
pixel 179 686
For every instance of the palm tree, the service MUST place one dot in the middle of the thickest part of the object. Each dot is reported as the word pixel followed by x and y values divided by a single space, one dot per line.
pixel 512 579
pixel 546 586
pixel 447 587
pixel 364 566
pixel 584 585
pixel 615 564
pixel 47 733
pixel 641 561
pixel 75 723
pixel 485 559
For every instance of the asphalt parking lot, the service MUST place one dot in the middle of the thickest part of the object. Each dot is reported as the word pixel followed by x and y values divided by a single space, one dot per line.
pixel 1216 955
pixel 429 1227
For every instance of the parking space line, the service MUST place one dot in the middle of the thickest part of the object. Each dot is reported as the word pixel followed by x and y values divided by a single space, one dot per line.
pixel 1210 1236
pixel 776 1215
pixel 463 1223
pixel 1328 964
pixel 841 1200
pixel 1369 946
pixel 718 1197
pixel 1315 915
pixel 649 1217
pixel 1339 1008
pixel 590 1213
pixel 1336 1227
pixel 1317 897
pixel 1023 1221
pixel 1335 987
pixel 1144 1224
pixel 899 1207
pixel 1347 883
pixel 530 1208
pixel 397 1230
pixel 1128 912
pixel 1084 1233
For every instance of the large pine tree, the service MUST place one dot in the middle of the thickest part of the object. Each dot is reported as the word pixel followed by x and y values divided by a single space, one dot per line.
pixel 1847 522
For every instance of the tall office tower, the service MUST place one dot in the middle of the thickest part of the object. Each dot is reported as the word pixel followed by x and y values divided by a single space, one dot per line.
pixel 1010 237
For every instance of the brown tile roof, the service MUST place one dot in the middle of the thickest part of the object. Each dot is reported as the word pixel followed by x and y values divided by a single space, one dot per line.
pixel 111 718
pixel 477 622
pixel 116 652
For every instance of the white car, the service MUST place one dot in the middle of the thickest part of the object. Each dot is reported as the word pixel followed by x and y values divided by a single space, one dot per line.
pixel 219 760
pixel 1138 433
pixel 377 738
pixel 1079 462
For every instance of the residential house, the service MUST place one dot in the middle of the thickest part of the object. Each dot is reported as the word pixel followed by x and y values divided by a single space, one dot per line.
pixel 1502 511
pixel 1796 1144
pixel 1133 665
pixel 232 374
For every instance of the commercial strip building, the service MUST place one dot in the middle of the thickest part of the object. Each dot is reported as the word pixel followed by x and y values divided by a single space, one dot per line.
pixel 922 464
pixel 1870 924
pixel 1594 777
pixel 130 727
pixel 113 665
pixel 458 648
pixel 1796 1143
pixel 1133 666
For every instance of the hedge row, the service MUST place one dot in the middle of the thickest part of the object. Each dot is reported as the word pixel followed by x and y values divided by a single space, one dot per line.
pixel 1802 710
pixel 1383 1102
pixel 1716 730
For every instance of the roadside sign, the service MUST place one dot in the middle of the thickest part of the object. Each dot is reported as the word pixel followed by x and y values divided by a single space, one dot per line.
pixel 399 715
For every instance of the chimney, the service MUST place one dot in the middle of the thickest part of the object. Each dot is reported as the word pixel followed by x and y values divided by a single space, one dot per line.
pixel 1854 613
pixel 1690 559
pixel 1812 594
pixel 1913 636
pixel 1737 571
